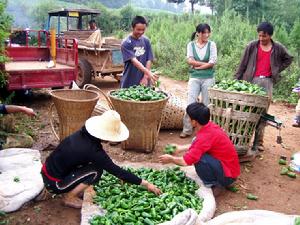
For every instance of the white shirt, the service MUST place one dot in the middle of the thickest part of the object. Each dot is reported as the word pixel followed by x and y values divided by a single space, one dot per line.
pixel 202 51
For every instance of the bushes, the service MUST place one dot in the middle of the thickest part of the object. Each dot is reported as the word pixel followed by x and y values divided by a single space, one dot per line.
pixel 5 21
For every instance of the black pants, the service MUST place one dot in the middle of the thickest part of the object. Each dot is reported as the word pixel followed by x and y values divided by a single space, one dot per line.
pixel 211 172
pixel 87 174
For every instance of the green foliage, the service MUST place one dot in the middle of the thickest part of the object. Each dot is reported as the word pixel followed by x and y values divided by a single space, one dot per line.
pixel 5 22
pixel 290 77
pixel 281 35
pixel 295 38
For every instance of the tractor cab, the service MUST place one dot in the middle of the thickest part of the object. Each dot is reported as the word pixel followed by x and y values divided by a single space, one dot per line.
pixel 64 20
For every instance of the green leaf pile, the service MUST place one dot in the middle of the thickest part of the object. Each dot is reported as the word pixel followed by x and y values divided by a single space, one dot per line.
pixel 134 205
pixel 240 86
pixel 139 93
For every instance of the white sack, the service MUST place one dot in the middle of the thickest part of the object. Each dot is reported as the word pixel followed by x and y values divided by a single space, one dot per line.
pixel 23 165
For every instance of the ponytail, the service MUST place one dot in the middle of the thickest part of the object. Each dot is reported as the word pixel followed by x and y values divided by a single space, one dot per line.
pixel 193 36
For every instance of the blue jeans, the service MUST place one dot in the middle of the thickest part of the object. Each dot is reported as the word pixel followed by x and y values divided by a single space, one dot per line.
pixel 196 86
pixel 211 172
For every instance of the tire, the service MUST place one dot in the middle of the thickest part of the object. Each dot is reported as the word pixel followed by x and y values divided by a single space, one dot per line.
pixel 84 73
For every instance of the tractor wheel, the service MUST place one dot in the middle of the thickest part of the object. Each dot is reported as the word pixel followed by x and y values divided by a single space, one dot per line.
pixel 84 73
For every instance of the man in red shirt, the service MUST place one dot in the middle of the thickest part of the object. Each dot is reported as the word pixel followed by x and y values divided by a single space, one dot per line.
pixel 211 152
pixel 261 64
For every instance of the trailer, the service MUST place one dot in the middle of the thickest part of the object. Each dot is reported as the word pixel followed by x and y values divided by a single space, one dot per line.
pixel 29 59
pixel 94 60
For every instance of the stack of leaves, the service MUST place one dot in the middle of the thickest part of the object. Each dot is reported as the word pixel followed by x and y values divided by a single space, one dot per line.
pixel 134 205
pixel 240 86
pixel 139 93
pixel 289 171
pixel 169 149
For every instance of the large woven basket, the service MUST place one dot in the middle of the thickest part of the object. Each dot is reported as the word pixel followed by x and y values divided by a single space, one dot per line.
pixel 73 107
pixel 172 115
pixel 101 105
pixel 143 119
pixel 238 114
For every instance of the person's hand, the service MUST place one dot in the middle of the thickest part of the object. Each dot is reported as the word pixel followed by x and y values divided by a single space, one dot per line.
pixel 151 187
pixel 144 81
pixel 28 111
pixel 166 158
pixel 152 76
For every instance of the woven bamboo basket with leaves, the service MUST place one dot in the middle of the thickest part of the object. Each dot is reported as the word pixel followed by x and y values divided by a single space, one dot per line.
pixel 238 114
pixel 143 119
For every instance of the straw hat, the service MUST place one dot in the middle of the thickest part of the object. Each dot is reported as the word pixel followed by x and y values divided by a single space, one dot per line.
pixel 108 127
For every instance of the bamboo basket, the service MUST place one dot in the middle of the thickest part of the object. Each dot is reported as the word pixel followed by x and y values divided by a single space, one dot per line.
pixel 100 106
pixel 73 107
pixel 143 119
pixel 173 113
pixel 238 114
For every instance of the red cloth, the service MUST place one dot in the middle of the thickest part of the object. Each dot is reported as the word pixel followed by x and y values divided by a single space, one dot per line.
pixel 211 139
pixel 45 172
pixel 263 63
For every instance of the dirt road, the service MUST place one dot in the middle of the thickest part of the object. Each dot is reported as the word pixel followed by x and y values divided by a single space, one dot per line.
pixel 260 177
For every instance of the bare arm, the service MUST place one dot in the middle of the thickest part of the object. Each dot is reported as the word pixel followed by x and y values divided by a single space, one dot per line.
pixel 23 109
pixel 144 69
pixel 148 65
pixel 204 66
pixel 151 187
pixel 194 63
pixel 181 148
pixel 164 159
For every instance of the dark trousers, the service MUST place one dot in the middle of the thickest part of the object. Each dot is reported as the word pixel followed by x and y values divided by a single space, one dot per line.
pixel 211 172
pixel 87 174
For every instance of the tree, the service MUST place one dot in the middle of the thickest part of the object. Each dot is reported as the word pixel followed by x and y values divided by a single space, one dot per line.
pixel 193 2
pixel 5 22
pixel 40 12
pixel 295 38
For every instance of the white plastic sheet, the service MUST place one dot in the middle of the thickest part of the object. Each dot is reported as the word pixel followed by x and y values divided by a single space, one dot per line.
pixel 20 178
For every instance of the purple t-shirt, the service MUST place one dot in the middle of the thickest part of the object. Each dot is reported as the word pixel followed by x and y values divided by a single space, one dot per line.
pixel 134 48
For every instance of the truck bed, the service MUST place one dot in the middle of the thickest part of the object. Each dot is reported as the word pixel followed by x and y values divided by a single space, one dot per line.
pixel 33 65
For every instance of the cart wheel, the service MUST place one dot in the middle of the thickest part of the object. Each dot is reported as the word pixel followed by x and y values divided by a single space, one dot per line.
pixel 84 73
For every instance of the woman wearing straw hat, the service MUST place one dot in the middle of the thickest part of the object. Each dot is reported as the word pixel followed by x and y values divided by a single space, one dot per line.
pixel 79 160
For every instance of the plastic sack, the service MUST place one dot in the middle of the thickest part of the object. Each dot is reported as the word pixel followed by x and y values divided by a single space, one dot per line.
pixel 20 178
pixel 252 217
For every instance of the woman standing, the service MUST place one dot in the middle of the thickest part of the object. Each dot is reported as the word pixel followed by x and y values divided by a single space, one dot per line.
pixel 201 56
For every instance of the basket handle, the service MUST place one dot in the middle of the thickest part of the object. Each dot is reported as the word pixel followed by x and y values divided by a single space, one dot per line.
pixel 51 121
pixel 91 86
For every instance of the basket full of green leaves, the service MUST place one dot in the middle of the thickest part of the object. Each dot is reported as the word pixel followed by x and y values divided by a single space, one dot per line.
pixel 237 107
pixel 141 109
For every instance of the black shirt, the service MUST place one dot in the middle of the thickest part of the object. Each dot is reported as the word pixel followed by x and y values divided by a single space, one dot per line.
pixel 3 109
pixel 82 148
